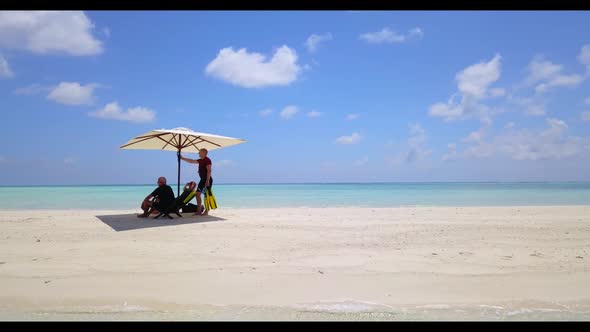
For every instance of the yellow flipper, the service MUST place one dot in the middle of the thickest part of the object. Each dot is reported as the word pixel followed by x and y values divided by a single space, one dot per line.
pixel 206 202
pixel 210 202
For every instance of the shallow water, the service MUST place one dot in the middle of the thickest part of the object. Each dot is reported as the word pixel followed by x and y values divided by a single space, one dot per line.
pixel 309 195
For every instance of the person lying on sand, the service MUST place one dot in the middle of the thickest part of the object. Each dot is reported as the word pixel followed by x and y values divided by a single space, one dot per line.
pixel 164 197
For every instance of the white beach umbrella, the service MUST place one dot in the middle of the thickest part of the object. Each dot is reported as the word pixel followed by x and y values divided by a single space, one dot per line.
pixel 179 140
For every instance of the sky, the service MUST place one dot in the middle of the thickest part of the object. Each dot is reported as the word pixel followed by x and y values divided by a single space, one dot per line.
pixel 326 96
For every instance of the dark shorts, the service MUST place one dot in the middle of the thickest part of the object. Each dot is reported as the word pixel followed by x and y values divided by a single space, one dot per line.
pixel 157 206
pixel 162 207
pixel 201 185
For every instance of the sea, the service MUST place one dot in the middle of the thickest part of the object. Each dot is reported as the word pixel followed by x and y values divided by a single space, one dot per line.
pixel 317 195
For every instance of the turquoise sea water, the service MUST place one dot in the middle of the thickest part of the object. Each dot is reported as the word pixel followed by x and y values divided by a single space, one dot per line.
pixel 308 195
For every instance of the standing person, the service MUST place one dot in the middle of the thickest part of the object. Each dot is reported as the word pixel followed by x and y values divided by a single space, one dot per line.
pixel 204 174
pixel 164 197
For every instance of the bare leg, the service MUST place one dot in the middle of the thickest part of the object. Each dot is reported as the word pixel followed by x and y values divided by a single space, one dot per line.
pixel 199 204
pixel 205 213
pixel 145 206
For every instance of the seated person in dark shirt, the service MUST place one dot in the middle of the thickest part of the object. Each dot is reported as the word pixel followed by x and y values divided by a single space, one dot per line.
pixel 164 197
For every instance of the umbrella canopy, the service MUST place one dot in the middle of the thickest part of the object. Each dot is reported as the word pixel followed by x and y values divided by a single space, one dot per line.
pixel 179 140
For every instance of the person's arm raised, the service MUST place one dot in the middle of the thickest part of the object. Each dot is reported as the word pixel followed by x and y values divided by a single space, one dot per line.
pixel 188 160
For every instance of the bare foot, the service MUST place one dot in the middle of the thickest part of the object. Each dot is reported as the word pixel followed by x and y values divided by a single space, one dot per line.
pixel 202 213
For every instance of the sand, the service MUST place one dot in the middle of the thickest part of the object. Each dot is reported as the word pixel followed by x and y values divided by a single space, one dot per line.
pixel 448 263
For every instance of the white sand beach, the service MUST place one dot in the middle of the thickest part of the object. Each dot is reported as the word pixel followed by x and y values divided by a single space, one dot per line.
pixel 298 263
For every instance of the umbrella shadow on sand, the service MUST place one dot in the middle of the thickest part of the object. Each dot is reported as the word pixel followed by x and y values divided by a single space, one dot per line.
pixel 129 222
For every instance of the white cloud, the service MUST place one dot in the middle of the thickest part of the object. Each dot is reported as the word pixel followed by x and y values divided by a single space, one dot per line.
pixel 497 92
pixel 289 112
pixel 475 136
pixel 418 152
pixel 479 151
pixel 546 75
pixel 561 80
pixel 449 111
pixel 42 32
pixel 416 32
pixel 585 116
pixel 451 153
pixel 223 163
pixel 536 110
pixel 265 112
pixel 417 135
pixel 314 114
pixel 113 111
pixel 352 139
pixel 540 69
pixel 531 106
pixel 252 70
pixel 584 56
pixel 72 93
pixel 510 125
pixel 550 143
pixel 466 108
pixel 31 89
pixel 556 128
pixel 388 36
pixel 5 71
pixel 361 162
pixel 351 117
pixel 473 84
pixel 314 41
pixel 475 80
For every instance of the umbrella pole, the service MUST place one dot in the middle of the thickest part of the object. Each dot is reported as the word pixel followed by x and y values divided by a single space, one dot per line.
pixel 178 183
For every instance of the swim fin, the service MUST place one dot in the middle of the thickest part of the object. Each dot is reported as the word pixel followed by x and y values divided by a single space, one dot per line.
pixel 210 202
pixel 206 202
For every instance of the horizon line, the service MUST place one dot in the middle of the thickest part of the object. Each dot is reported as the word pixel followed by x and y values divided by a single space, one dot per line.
pixel 290 183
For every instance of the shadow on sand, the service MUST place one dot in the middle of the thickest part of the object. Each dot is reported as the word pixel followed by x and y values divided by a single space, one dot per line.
pixel 128 222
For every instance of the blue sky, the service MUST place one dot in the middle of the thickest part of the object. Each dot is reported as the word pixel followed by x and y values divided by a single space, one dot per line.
pixel 319 96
